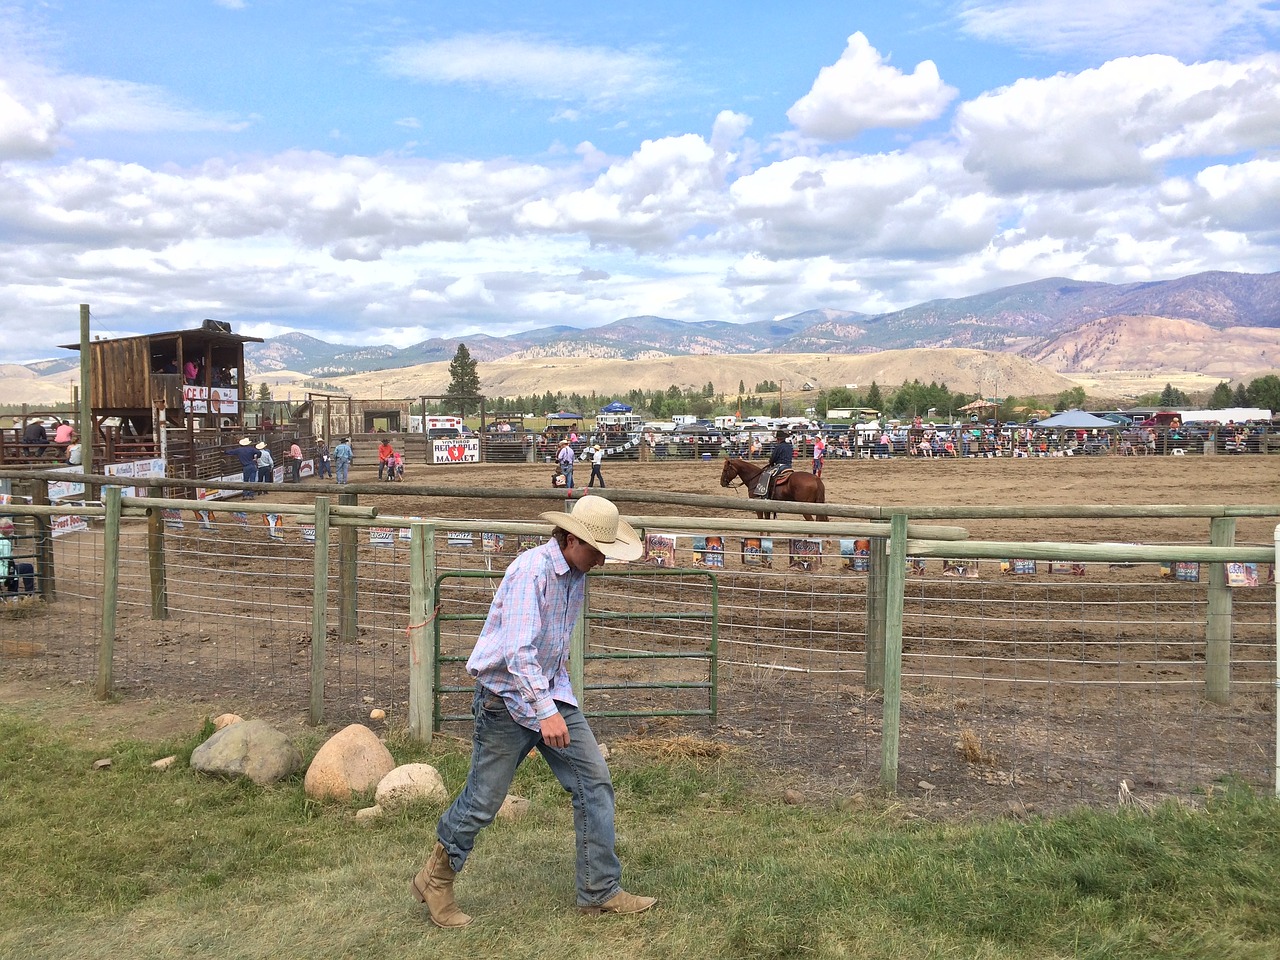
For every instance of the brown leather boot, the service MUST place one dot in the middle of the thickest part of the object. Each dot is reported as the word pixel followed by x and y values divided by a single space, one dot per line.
pixel 433 886
pixel 621 902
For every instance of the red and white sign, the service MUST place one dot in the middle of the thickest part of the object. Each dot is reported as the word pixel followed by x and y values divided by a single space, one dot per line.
pixel 455 451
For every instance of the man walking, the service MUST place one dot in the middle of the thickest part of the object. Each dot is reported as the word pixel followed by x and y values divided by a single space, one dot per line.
pixel 597 458
pixel 523 701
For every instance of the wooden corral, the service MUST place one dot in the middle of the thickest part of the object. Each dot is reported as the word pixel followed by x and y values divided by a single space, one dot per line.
pixel 178 395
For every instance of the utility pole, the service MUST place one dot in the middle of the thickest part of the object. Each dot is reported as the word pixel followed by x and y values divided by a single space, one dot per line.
pixel 86 397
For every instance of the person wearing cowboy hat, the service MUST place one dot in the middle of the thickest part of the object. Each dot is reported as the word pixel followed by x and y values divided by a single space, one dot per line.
pixel 247 454
pixel 564 457
pixel 266 464
pixel 524 701
pixel 597 458
pixel 780 459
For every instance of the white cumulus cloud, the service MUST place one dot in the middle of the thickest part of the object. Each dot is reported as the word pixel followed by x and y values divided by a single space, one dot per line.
pixel 1120 122
pixel 861 91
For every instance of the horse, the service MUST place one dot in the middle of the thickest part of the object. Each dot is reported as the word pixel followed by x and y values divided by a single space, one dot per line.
pixel 793 486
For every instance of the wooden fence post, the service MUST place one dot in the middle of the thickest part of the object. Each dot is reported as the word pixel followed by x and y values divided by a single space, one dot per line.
pixel 422 631
pixel 155 558
pixel 348 603
pixel 876 586
pixel 319 609
pixel 110 590
pixel 895 599
pixel 43 529
pixel 1217 656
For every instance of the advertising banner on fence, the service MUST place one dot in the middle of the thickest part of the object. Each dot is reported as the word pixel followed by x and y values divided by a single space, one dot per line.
pixel 68 524
pixel 139 469
pixel 73 489
pixel 195 399
pixel 455 451
pixel 205 493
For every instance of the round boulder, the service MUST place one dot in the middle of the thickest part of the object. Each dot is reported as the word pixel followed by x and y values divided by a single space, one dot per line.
pixel 352 761
pixel 408 784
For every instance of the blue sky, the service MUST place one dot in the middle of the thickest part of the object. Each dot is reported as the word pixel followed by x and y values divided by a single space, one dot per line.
pixel 379 171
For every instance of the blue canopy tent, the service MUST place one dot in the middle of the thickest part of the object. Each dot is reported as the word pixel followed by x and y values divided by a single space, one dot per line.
pixel 616 407
pixel 562 415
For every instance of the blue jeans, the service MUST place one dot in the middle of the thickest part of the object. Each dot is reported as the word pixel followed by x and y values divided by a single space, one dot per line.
pixel 341 466
pixel 499 746
pixel 567 470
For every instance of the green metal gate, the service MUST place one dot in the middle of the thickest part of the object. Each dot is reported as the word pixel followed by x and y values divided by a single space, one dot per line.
pixel 581 657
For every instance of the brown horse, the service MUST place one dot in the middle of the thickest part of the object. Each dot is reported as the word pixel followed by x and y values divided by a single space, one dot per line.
pixel 793 486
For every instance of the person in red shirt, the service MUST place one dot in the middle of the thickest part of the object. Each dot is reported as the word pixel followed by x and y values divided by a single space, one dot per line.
pixel 386 459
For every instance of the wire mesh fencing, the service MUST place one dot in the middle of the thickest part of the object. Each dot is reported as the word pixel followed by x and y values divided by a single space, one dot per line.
pixel 1024 685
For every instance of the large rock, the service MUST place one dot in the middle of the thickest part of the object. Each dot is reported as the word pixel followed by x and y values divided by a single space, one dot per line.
pixel 252 749
pixel 352 761
pixel 408 784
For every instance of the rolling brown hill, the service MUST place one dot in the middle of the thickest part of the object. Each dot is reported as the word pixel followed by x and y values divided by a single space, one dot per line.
pixel 1158 344
pixel 970 371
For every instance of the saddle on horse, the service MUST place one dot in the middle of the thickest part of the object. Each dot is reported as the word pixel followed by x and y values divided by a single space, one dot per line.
pixel 769 480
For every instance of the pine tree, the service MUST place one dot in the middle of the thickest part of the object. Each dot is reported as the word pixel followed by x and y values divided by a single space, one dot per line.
pixel 464 381
pixel 874 400
pixel 1221 397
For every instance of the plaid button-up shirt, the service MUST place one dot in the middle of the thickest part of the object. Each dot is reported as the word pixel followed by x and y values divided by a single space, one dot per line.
pixel 523 651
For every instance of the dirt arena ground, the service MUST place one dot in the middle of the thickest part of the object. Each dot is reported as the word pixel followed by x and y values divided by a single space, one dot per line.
pixel 823 734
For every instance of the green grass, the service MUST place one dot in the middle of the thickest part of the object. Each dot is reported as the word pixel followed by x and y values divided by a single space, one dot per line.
pixel 131 862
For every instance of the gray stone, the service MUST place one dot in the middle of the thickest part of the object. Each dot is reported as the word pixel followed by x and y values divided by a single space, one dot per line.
pixel 251 748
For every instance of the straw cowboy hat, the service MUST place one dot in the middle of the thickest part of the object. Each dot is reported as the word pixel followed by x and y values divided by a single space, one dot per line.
pixel 595 521
pixel 245 441
pixel 262 444
pixel 564 443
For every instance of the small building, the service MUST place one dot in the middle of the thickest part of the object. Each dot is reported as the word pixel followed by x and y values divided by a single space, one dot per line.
pixel 178 395
pixel 181 378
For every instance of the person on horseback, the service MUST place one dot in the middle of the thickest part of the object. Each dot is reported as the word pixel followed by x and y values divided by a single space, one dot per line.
pixel 779 461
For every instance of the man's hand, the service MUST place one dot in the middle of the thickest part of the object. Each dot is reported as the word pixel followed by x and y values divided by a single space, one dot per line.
pixel 554 731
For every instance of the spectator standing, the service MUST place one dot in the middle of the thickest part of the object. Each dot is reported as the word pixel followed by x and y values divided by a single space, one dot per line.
pixel 266 464
pixel 191 372
pixel 342 459
pixel 524 701
pixel 295 463
pixel 597 458
pixel 819 455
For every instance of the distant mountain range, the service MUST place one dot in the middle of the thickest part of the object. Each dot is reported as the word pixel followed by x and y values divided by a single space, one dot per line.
pixel 1231 319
